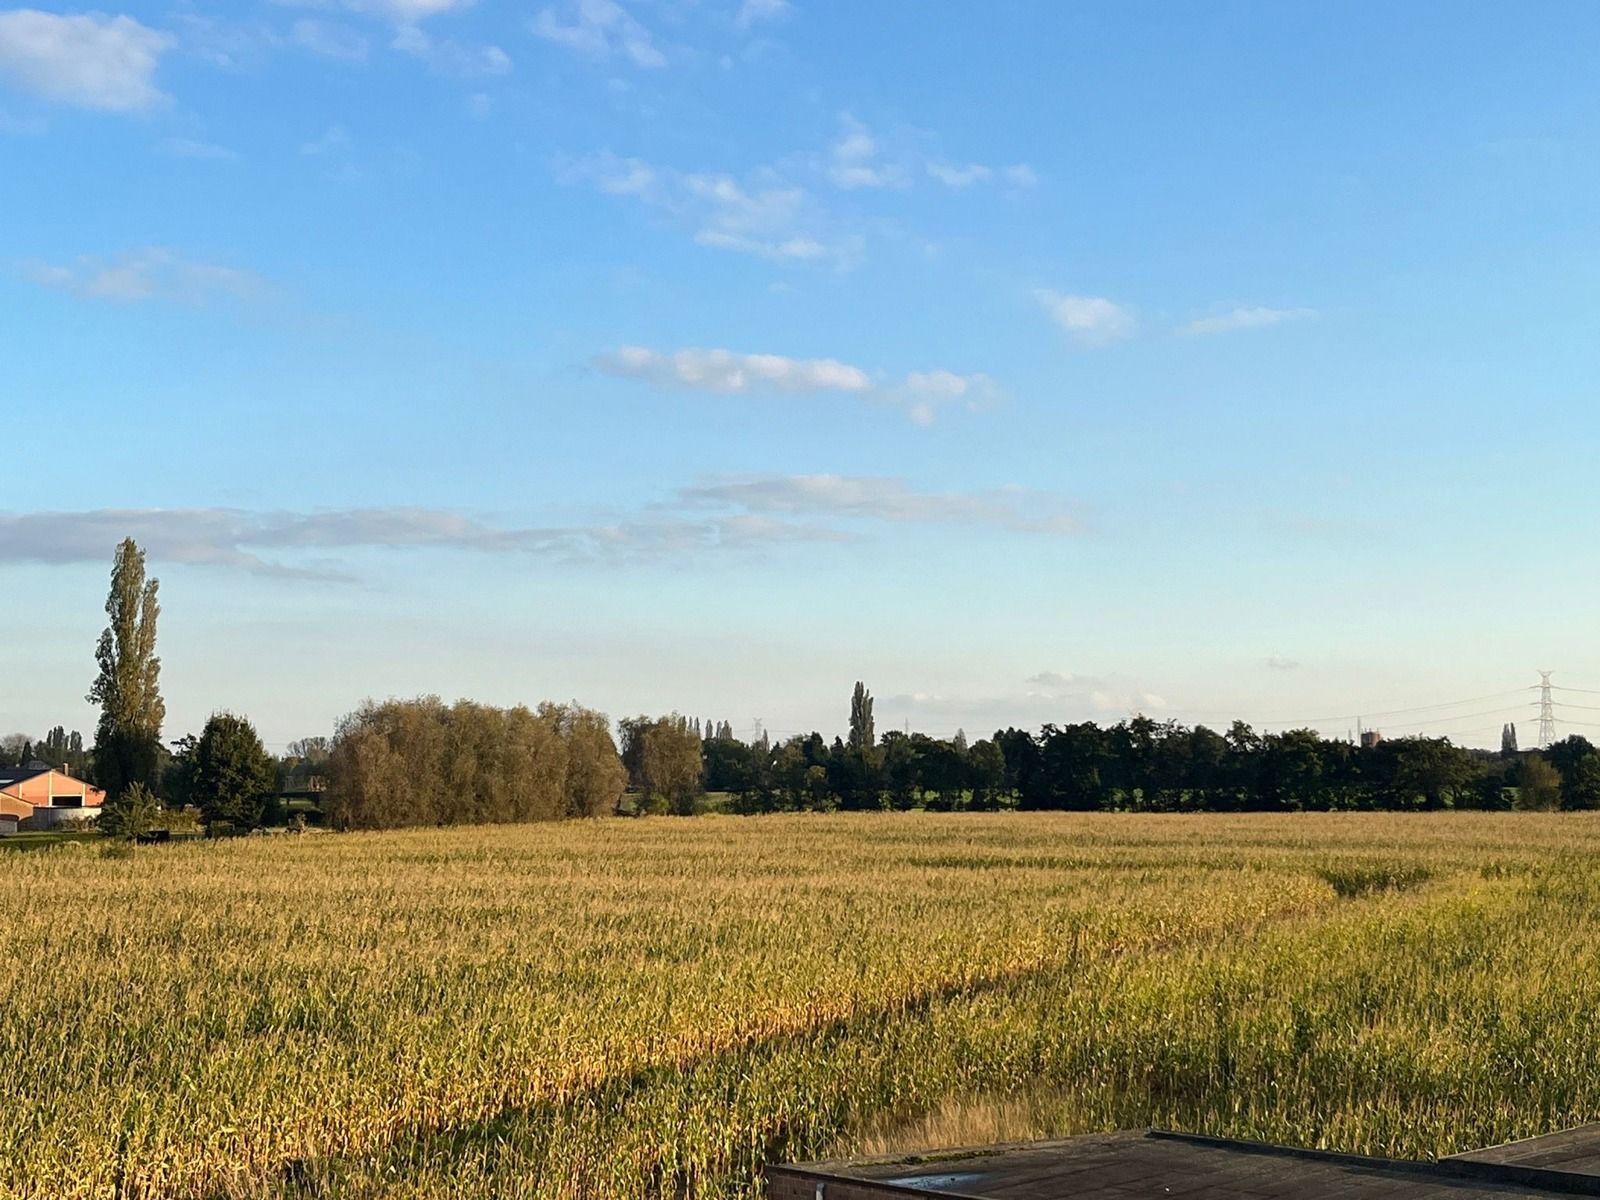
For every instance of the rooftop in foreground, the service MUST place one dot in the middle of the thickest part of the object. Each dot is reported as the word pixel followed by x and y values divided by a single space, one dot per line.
pixel 1123 1166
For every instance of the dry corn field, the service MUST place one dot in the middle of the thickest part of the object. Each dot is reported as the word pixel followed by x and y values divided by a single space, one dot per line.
pixel 657 1007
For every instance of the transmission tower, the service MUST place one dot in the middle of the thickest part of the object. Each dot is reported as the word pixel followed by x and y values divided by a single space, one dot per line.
pixel 1547 712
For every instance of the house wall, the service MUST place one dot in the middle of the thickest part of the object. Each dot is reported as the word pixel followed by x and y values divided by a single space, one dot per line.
pixel 38 790
pixel 11 806
pixel 55 818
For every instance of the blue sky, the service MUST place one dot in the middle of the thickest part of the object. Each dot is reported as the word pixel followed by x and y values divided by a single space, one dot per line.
pixel 1029 361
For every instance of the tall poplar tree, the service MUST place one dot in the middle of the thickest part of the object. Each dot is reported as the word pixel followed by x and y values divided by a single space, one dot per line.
pixel 127 741
pixel 862 736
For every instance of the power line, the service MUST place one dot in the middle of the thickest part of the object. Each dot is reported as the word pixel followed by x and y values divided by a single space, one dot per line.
pixel 1400 712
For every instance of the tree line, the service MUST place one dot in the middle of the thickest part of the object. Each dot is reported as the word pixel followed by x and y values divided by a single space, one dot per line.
pixel 1144 765
pixel 422 762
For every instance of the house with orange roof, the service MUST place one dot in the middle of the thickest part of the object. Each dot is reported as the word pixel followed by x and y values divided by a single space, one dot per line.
pixel 39 796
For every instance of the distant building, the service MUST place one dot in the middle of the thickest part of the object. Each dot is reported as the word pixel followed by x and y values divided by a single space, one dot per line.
pixel 38 796
pixel 1370 738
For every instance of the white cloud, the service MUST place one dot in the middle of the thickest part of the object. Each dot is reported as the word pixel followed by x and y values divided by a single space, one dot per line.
pixel 1048 697
pixel 328 39
pixel 888 499
pixel 1247 318
pixel 729 373
pixel 178 147
pixel 292 545
pixel 860 159
pixel 854 160
pixel 1057 680
pixel 924 393
pixel 449 57
pixel 91 61
pixel 746 516
pixel 959 177
pixel 753 12
pixel 406 12
pixel 1088 320
pixel 765 216
pixel 151 273
pixel 1278 662
pixel 600 29
pixel 726 372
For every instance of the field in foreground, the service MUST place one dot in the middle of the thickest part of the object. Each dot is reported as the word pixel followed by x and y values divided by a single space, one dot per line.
pixel 643 1008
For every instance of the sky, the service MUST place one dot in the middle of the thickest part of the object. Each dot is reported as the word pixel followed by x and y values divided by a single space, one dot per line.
pixel 1027 361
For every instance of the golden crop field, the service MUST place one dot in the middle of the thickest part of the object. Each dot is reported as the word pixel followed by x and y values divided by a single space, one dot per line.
pixel 657 1007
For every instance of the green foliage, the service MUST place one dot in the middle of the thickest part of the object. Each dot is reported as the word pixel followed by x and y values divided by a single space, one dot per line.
pixel 129 813
pixel 1351 880
pixel 127 744
pixel 863 739
pixel 665 764
pixel 231 774
pixel 421 762
pixel 1538 785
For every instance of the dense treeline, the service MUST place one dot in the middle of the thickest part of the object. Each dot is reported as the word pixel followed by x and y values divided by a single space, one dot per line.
pixel 422 762
pixel 1140 765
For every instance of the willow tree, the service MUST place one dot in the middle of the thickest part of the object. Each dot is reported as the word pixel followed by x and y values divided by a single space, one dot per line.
pixel 127 741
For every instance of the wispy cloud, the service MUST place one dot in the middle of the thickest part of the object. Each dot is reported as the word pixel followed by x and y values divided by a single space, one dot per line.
pixel 1247 318
pixel 1088 320
pixel 290 545
pixel 855 162
pixel 753 515
pixel 407 12
pixel 90 61
pixel 1278 662
pixel 859 158
pixel 599 29
pixel 889 499
pixel 445 56
pixel 177 147
pixel 329 39
pixel 920 393
pixel 766 215
pixel 728 372
pixel 151 273
pixel 754 12
pixel 1100 694
pixel 954 176
pixel 1049 696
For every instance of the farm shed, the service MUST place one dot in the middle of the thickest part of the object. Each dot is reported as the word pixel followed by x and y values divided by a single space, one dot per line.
pixel 1121 1166
pixel 42 797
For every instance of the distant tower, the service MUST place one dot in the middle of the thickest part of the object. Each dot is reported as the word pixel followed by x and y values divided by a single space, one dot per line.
pixel 1547 712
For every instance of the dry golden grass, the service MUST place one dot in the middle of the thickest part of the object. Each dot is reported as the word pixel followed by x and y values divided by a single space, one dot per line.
pixel 657 1007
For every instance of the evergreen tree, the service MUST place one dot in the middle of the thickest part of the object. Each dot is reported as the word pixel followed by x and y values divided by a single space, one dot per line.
pixel 1508 740
pixel 231 774
pixel 862 736
pixel 127 743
